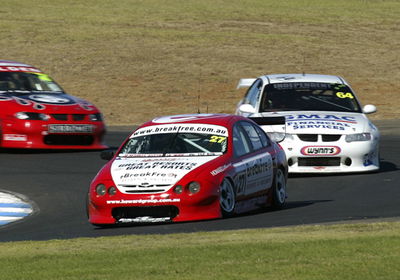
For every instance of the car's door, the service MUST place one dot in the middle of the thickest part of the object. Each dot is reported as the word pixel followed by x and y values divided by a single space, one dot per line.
pixel 253 164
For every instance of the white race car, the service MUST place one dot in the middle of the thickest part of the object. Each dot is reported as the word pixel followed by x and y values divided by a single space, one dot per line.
pixel 326 128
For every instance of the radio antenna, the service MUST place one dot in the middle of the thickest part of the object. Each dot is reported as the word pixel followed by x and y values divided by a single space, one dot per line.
pixel 198 93
pixel 198 103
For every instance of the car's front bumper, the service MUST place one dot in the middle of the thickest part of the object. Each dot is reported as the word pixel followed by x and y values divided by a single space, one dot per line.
pixel 333 157
pixel 26 134
pixel 150 208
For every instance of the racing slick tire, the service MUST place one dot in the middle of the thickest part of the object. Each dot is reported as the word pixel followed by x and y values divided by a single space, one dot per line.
pixel 227 199
pixel 279 190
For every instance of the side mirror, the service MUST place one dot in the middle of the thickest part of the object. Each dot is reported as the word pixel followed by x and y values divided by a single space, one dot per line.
pixel 247 108
pixel 107 154
pixel 368 109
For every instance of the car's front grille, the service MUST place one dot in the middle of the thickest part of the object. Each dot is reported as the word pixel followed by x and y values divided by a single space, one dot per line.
pixel 78 117
pixel 308 137
pixel 330 137
pixel 68 140
pixel 154 212
pixel 318 161
pixel 60 117
pixel 66 117
pixel 145 188
pixel 314 137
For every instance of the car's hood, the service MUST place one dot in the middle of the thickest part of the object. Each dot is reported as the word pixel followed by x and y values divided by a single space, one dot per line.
pixel 38 101
pixel 150 172
pixel 321 122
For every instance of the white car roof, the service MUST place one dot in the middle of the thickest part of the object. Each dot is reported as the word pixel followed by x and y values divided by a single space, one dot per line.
pixel 289 78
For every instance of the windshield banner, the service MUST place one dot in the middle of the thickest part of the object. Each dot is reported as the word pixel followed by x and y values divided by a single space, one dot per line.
pixel 181 128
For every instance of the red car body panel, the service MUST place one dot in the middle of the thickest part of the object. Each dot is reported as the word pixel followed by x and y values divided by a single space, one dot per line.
pixel 187 206
pixel 71 123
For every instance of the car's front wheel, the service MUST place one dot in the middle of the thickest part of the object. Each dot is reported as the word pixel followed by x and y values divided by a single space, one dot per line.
pixel 227 198
pixel 279 189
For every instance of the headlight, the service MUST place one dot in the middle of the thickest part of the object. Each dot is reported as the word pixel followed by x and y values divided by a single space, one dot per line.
pixel 112 190
pixel 194 187
pixel 32 116
pixel 358 137
pixel 101 189
pixel 178 189
pixel 96 117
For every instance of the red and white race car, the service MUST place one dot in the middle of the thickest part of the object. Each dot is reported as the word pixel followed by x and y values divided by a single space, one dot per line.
pixel 188 167
pixel 36 113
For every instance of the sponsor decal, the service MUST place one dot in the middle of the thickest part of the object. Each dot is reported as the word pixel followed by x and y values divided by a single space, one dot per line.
pixel 372 126
pixel 153 171
pixel 4 97
pixel 145 219
pixel 347 119
pixel 220 169
pixel 15 137
pixel 299 85
pixel 333 122
pixel 48 98
pixel 144 201
pixel 38 101
pixel 18 69
pixel 160 175
pixel 320 150
pixel 161 165
pixel 370 157
pixel 253 174
pixel 218 132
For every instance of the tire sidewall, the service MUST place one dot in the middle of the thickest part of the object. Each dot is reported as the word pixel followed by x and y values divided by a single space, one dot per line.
pixel 230 213
pixel 277 201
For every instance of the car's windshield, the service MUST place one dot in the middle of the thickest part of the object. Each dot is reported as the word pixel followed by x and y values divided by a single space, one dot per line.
pixel 302 96
pixel 176 143
pixel 27 81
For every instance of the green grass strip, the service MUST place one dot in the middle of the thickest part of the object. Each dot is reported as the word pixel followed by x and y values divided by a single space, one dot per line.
pixel 348 251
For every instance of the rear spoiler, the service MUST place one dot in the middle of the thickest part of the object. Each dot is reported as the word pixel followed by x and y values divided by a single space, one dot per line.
pixel 269 120
pixel 245 83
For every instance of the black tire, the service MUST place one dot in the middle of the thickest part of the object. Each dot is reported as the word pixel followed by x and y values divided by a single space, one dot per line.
pixel 279 190
pixel 227 198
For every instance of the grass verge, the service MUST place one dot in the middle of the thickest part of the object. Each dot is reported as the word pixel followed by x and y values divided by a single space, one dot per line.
pixel 140 59
pixel 348 251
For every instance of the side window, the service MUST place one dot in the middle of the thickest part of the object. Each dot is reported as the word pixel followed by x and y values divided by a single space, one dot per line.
pixel 263 136
pixel 253 93
pixel 253 135
pixel 241 145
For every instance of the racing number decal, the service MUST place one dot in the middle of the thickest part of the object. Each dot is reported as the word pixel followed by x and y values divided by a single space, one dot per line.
pixel 240 182
pixel 344 95
pixel 217 139
pixel 254 174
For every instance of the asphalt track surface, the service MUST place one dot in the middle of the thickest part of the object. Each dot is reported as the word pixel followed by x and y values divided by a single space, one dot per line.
pixel 56 184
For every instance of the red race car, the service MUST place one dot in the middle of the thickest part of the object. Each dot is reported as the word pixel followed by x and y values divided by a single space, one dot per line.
pixel 188 167
pixel 36 113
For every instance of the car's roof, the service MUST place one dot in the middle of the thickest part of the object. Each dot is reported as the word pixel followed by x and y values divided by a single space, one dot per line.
pixel 294 78
pixel 217 119
pixel 13 63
